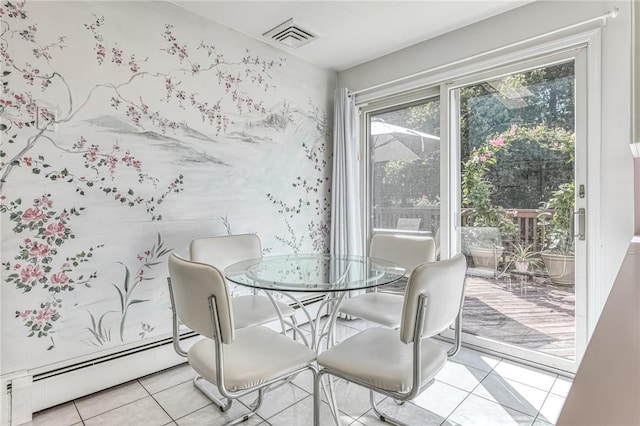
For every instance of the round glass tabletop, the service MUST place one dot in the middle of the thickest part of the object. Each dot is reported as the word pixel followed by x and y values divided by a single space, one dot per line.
pixel 313 272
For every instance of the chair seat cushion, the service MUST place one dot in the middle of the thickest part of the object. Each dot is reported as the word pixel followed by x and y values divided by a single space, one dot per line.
pixel 257 355
pixel 250 310
pixel 381 308
pixel 378 358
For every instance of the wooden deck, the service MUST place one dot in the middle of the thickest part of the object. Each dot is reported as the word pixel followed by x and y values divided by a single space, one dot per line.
pixel 529 312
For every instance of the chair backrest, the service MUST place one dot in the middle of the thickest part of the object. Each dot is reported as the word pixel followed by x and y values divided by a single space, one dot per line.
pixel 442 283
pixel 405 250
pixel 225 250
pixel 192 284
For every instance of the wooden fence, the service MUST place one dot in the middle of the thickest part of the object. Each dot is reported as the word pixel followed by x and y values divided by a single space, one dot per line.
pixel 427 219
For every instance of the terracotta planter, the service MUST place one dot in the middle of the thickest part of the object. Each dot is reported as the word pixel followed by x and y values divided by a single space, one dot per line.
pixel 561 268
pixel 486 258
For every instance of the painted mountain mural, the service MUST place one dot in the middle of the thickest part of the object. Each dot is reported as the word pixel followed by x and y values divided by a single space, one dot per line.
pixel 127 131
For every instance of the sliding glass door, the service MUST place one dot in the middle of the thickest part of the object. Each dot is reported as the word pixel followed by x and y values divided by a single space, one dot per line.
pixel 520 210
pixel 494 166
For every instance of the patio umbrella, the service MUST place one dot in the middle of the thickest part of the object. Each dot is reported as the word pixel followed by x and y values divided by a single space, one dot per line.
pixel 391 142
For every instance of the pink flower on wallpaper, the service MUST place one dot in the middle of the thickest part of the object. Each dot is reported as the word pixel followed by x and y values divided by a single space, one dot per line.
pixel 45 201
pixel 31 272
pixel 497 142
pixel 25 313
pixel 39 250
pixel 55 230
pixel 59 279
pixel 32 214
pixel 101 53
pixel 45 315
pixel 112 161
pixel 92 154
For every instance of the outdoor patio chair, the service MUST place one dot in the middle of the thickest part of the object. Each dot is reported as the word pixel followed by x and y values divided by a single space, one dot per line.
pixel 484 251
pixel 402 363
pixel 382 307
pixel 236 361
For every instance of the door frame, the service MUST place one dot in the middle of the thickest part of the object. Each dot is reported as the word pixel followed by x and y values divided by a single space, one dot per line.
pixel 588 100
pixel 586 57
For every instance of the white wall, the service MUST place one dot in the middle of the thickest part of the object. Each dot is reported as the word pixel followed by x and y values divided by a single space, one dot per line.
pixel 606 389
pixel 617 212
pixel 164 127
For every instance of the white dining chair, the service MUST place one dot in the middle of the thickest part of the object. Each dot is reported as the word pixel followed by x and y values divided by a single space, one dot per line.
pixel 249 309
pixel 238 361
pixel 381 307
pixel 402 363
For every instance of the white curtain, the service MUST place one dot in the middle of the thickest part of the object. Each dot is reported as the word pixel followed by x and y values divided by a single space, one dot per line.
pixel 346 230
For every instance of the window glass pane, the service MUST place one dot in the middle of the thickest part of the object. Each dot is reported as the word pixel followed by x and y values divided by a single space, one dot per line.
pixel 405 168
pixel 517 143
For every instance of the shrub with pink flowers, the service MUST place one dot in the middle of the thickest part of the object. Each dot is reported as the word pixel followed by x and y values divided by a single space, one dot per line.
pixel 477 190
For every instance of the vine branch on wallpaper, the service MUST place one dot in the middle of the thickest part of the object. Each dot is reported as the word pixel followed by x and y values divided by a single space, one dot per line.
pixel 135 110
pixel 39 263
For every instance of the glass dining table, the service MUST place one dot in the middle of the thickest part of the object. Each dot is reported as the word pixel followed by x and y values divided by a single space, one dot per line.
pixel 330 277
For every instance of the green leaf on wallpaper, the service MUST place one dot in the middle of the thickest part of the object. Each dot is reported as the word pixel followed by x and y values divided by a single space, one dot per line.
pixel 137 301
pixel 127 278
pixel 5 73
pixel 3 127
pixel 121 297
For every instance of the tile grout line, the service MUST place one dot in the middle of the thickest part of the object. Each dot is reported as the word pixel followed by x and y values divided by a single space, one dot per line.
pixel 78 411
pixel 158 402
pixel 504 378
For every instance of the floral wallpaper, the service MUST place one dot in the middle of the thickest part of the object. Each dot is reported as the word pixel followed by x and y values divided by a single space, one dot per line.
pixel 129 129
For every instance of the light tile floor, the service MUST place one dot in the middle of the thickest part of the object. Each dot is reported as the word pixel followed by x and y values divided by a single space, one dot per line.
pixel 473 389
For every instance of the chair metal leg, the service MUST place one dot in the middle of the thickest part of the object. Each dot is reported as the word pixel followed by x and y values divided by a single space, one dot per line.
pixel 254 409
pixel 316 398
pixel 383 417
pixel 199 382
pixel 318 386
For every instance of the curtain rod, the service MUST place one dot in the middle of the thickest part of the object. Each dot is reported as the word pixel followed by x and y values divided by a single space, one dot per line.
pixel 610 14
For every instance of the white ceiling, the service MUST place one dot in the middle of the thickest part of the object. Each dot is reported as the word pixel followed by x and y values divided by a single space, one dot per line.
pixel 351 32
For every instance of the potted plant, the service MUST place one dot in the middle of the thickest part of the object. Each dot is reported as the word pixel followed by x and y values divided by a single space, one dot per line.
pixel 555 218
pixel 524 256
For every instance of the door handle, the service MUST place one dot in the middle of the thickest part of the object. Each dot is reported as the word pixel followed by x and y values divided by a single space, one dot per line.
pixel 580 214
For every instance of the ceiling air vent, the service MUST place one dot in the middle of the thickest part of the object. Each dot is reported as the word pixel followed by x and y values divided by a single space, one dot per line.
pixel 290 33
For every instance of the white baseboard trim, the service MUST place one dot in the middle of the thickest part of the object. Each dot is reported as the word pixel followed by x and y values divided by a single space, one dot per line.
pixel 56 387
